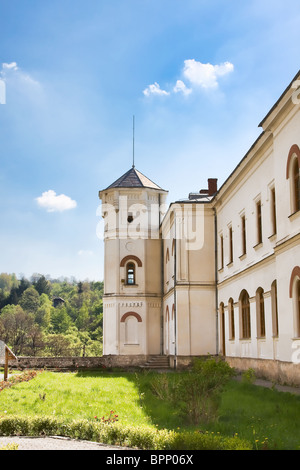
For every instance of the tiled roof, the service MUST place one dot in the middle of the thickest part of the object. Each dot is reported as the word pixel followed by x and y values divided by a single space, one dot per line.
pixel 133 179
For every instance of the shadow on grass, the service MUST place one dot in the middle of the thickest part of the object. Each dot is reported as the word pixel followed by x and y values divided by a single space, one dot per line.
pixel 267 417
pixel 160 413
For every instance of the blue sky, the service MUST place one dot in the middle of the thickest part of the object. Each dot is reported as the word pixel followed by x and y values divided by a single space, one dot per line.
pixel 198 75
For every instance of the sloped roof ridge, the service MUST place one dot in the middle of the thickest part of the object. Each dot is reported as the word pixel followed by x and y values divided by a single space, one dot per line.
pixel 140 174
pixel 133 178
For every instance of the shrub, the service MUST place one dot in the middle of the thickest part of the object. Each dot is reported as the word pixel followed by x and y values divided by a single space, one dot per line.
pixel 201 388
pixel 248 376
pixel 196 393
pixel 141 437
pixel 10 446
pixel 198 440
pixel 18 378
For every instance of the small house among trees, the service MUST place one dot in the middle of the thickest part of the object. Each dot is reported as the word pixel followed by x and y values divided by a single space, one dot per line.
pixel 58 301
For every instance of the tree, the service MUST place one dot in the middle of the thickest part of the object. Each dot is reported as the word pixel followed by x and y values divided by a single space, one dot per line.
pixel 82 318
pixel 30 300
pixel 60 320
pixel 27 316
pixel 42 286
pixel 57 344
pixel 23 285
pixel 43 313
pixel 35 341
pixel 7 282
pixel 15 326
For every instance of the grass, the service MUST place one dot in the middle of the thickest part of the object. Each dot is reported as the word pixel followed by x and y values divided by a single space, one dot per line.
pixel 268 418
pixel 75 396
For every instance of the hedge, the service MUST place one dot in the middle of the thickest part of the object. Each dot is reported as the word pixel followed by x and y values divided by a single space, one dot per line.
pixel 144 438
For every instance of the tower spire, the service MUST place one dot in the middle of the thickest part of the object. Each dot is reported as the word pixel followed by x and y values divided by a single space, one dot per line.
pixel 133 166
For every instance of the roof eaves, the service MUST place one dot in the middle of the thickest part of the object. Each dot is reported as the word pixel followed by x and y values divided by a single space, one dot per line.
pixel 297 76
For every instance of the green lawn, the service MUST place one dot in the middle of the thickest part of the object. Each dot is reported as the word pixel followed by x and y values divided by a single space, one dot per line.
pixel 268 418
pixel 271 419
pixel 75 396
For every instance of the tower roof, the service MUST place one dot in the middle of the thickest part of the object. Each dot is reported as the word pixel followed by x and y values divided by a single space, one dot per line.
pixel 134 179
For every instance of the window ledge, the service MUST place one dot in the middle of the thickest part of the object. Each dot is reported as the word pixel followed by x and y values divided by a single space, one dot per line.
pixel 243 256
pixel 229 264
pixel 258 245
pixel 272 237
pixel 294 215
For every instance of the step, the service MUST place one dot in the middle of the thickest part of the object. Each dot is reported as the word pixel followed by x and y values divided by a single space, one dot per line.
pixel 157 362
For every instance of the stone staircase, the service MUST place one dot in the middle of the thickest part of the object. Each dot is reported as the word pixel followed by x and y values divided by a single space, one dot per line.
pixel 157 362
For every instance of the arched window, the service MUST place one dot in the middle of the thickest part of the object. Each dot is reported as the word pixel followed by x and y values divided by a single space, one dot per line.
pixel 245 315
pixel 296 301
pixel 293 174
pixel 130 274
pixel 298 306
pixel 131 258
pixel 260 312
pixel 275 326
pixel 295 295
pixel 167 331
pixel 173 246
pixel 296 184
pixel 222 325
pixel 167 314
pixel 231 319
pixel 131 321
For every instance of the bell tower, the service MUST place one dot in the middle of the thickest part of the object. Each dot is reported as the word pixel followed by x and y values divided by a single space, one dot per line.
pixel 132 209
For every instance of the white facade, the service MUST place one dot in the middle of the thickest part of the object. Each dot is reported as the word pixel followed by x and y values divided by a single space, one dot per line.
pixel 219 273
pixel 263 267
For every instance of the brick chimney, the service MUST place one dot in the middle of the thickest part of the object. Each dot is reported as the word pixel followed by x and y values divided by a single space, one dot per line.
pixel 212 187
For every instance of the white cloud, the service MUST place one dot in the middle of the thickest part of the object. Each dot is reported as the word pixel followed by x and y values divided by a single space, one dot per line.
pixel 205 75
pixel 11 66
pixel 85 253
pixel 155 90
pixel 181 87
pixel 198 74
pixel 11 71
pixel 53 203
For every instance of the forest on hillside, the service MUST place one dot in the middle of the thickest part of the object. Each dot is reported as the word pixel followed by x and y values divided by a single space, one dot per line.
pixel 41 316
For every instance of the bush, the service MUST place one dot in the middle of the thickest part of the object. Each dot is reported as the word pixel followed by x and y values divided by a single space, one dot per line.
pixel 18 378
pixel 198 440
pixel 196 393
pixel 144 438
pixel 10 446
pixel 248 376
pixel 201 389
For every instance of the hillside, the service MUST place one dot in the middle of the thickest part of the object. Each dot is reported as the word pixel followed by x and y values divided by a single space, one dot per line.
pixel 51 317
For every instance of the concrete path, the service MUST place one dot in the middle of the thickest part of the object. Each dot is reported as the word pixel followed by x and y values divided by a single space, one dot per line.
pixel 280 388
pixel 55 443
